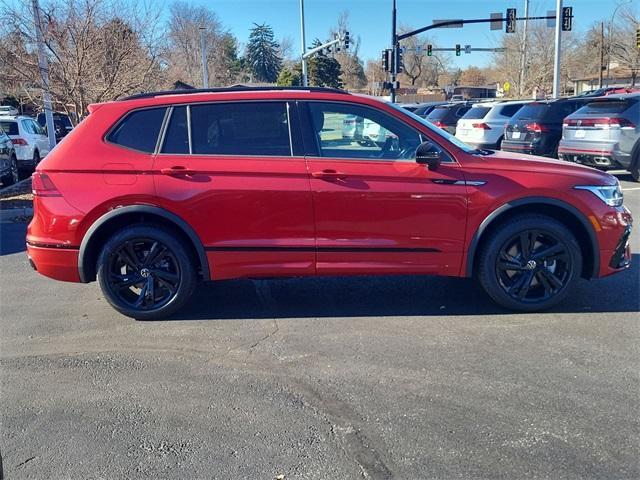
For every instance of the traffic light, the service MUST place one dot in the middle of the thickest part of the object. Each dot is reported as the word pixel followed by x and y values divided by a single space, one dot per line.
pixel 429 50
pixel 346 39
pixel 457 49
pixel 567 18
pixel 511 20
pixel 638 37
pixel 385 60
pixel 399 64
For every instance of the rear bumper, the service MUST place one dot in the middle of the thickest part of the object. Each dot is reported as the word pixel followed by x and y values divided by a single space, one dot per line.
pixel 517 147
pixel 57 262
pixel 595 155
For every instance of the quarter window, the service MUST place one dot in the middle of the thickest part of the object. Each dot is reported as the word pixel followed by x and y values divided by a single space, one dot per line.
pixel 255 128
pixel 139 130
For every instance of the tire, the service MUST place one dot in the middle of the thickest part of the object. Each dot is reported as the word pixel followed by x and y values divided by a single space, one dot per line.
pixel 13 176
pixel 36 159
pixel 534 277
pixel 634 168
pixel 126 272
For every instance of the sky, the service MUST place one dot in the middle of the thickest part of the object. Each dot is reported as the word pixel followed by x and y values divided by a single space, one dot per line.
pixel 371 20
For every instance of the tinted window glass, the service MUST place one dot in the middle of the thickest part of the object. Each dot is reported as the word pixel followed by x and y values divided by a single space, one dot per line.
pixel 532 111
pixel 27 127
pixel 36 128
pixel 10 128
pixel 139 130
pixel 604 107
pixel 559 110
pixel 374 135
pixel 176 140
pixel 461 111
pixel 438 113
pixel 240 129
pixel 509 110
pixel 477 113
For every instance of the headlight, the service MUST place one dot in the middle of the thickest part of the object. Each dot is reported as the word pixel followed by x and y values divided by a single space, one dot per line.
pixel 609 194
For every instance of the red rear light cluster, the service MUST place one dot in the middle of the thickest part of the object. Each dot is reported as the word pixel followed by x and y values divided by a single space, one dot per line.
pixel 42 186
pixel 536 127
pixel 19 141
pixel 482 125
pixel 439 124
pixel 604 122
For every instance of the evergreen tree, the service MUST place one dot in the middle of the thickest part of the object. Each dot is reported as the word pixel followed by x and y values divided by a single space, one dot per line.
pixel 261 56
pixel 324 71
pixel 289 78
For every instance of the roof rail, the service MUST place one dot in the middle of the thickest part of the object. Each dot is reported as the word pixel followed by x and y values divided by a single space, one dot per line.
pixel 233 88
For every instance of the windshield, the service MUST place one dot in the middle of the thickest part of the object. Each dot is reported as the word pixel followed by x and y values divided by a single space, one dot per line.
pixel 441 133
pixel 532 111
pixel 438 113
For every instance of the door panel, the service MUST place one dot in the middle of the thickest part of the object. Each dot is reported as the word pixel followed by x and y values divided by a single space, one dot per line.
pixel 253 214
pixel 376 209
pixel 388 217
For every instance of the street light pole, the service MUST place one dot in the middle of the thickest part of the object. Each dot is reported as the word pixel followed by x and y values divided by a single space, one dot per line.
pixel 523 56
pixel 610 35
pixel 303 46
pixel 556 60
pixel 203 54
pixel 44 75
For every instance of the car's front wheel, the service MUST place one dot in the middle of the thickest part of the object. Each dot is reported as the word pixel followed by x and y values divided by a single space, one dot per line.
pixel 529 263
pixel 145 272
pixel 12 176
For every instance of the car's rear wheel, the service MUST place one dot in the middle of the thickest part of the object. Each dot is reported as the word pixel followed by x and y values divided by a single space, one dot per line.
pixel 529 263
pixel 12 176
pixel 145 272
pixel 36 158
pixel 634 168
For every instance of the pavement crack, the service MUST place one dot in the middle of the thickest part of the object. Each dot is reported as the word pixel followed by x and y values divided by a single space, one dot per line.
pixel 268 336
pixel 26 461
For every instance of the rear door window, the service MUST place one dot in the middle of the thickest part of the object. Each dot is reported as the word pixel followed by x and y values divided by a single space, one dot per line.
pixel 139 130
pixel 252 128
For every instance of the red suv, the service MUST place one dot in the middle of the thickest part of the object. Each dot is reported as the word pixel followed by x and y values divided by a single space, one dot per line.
pixel 156 192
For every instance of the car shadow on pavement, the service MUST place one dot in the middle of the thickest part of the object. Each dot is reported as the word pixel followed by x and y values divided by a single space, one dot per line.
pixel 389 296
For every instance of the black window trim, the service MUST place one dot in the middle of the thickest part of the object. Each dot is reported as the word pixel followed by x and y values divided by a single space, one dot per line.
pixel 217 102
pixel 306 124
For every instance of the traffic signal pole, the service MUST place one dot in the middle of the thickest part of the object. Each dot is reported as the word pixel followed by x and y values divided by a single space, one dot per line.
pixel 556 58
pixel 394 54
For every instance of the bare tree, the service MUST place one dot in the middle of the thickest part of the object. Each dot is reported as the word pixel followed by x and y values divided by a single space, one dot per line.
pixel 353 76
pixel 419 67
pixel 97 51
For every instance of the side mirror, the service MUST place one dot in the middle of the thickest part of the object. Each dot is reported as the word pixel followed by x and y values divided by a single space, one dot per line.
pixel 428 154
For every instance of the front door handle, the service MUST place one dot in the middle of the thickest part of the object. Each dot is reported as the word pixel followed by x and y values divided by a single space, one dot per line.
pixel 177 170
pixel 329 175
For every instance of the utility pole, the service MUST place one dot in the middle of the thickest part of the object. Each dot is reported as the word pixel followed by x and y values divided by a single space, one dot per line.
pixel 556 60
pixel 44 75
pixel 303 45
pixel 394 54
pixel 203 54
pixel 600 67
pixel 523 56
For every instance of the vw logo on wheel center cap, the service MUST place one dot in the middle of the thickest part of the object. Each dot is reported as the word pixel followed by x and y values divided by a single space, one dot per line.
pixel 531 264
pixel 145 272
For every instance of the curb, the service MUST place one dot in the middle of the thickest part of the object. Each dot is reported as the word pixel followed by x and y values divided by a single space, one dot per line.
pixel 13 214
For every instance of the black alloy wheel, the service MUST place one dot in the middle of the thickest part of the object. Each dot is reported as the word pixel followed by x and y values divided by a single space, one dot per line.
pixel 145 272
pixel 529 263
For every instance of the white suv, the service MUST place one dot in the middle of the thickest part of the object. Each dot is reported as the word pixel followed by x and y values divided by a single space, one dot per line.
pixel 483 125
pixel 28 138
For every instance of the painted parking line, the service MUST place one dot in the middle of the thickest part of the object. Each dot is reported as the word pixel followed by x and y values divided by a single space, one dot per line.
pixel 629 189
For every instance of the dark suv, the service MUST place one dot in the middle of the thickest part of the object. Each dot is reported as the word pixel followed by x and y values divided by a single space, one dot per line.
pixel 8 160
pixel 446 116
pixel 536 128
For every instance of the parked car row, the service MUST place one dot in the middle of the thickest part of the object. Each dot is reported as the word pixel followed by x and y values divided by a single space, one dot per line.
pixel 29 140
pixel 600 129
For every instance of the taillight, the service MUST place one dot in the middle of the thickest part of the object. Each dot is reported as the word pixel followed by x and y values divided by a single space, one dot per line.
pixel 536 127
pixel 19 141
pixel 42 186
pixel 604 122
pixel 483 126
pixel 439 124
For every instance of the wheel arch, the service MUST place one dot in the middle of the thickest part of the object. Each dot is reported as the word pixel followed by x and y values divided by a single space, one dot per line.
pixel 557 209
pixel 117 218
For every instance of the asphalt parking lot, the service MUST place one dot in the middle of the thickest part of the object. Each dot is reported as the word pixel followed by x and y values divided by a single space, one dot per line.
pixel 331 378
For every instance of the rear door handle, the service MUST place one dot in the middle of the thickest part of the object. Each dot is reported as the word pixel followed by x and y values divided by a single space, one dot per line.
pixel 177 170
pixel 329 175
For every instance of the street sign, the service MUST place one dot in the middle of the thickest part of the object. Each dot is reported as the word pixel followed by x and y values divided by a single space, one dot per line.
pixel 511 20
pixel 467 49
pixel 453 25
pixel 567 18
pixel 506 86
pixel 497 23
